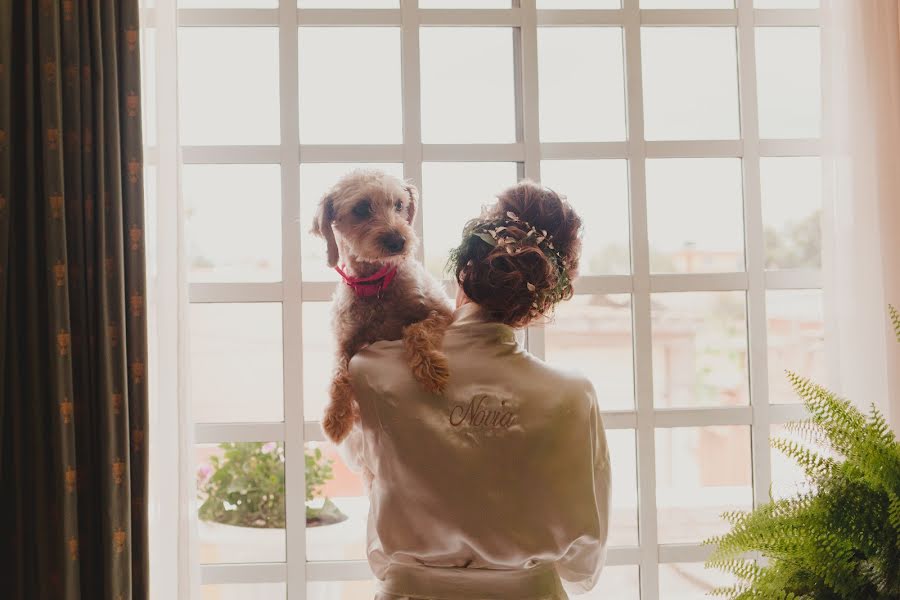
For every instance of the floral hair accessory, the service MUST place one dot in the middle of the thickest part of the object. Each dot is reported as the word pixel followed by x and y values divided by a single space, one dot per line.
pixel 515 235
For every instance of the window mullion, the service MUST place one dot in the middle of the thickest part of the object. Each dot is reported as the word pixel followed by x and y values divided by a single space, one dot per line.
pixel 528 122
pixel 412 108
pixel 753 235
pixel 643 350
pixel 292 304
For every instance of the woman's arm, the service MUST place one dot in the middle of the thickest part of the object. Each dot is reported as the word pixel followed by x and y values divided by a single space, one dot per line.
pixel 581 565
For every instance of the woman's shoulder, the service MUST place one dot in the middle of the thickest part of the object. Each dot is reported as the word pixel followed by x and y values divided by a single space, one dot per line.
pixel 562 376
pixel 382 349
pixel 383 357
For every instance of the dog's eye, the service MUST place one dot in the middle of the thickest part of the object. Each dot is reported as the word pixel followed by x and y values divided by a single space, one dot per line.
pixel 398 205
pixel 362 209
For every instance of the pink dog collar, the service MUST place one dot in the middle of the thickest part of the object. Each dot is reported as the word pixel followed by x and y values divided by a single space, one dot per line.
pixel 371 285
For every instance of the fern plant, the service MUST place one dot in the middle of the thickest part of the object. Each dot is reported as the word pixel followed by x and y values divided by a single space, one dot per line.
pixel 840 539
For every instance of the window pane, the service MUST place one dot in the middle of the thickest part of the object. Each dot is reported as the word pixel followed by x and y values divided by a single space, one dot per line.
pixel 362 104
pixel 467 85
pixel 227 3
pixel 788 82
pixel 701 472
pixel 699 349
pixel 795 325
pixel 349 3
pixel 620 582
pixel 670 4
pixel 690 581
pixel 452 194
pixel 558 4
pixel 319 348
pixel 623 522
pixel 687 4
pixel 690 83
pixel 593 335
pixel 228 85
pixel 582 84
pixel 315 180
pixel 336 516
pixel 233 222
pixel 341 590
pixel 464 3
pixel 788 478
pixel 791 189
pixel 786 3
pixel 240 499
pixel 236 362
pixel 695 216
pixel 598 190
pixel 243 591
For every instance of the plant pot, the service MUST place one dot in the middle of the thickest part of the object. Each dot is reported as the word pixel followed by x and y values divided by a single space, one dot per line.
pixel 221 543
pixel 323 513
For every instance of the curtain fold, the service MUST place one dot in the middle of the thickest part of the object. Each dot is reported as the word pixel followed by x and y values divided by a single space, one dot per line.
pixel 861 89
pixel 73 397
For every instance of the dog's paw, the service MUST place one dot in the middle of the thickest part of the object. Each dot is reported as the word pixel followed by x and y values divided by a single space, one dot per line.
pixel 337 424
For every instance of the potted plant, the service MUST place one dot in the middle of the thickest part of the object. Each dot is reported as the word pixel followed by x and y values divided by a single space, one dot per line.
pixel 245 487
pixel 840 537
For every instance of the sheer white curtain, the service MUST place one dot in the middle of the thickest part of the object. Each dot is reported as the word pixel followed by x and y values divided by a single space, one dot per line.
pixel 173 570
pixel 861 85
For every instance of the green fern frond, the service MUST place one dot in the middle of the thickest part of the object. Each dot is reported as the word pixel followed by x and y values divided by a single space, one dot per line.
pixel 895 319
pixel 809 431
pixel 814 465
pixel 838 540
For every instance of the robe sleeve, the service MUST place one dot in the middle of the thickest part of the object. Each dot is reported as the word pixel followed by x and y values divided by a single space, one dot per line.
pixel 352 451
pixel 580 567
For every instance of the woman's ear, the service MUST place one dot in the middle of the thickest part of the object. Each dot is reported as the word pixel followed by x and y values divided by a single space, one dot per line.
pixel 322 227
pixel 413 201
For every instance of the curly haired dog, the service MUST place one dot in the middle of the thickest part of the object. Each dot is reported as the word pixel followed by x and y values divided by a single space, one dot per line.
pixel 366 220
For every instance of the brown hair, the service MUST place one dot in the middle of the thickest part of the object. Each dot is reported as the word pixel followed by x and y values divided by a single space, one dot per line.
pixel 518 284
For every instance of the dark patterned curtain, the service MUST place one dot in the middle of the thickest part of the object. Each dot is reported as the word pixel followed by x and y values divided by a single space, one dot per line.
pixel 73 397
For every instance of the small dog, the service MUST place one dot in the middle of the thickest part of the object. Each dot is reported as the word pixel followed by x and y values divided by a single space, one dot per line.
pixel 366 220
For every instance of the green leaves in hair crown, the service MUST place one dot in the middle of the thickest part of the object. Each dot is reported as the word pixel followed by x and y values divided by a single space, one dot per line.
pixel 506 232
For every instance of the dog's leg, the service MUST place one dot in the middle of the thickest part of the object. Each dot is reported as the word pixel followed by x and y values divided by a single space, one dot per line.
pixel 421 340
pixel 341 412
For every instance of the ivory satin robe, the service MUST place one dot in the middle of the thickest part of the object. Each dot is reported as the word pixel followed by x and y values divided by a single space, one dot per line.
pixel 499 489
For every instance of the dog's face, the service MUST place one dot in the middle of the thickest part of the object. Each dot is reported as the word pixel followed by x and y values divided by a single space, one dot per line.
pixel 368 216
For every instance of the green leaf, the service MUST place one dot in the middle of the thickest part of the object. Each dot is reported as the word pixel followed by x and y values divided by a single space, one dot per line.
pixel 486 237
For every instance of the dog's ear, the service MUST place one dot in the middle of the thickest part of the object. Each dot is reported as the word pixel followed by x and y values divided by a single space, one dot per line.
pixel 322 227
pixel 413 200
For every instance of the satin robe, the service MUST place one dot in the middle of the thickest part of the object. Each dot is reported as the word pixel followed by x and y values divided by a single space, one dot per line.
pixel 498 489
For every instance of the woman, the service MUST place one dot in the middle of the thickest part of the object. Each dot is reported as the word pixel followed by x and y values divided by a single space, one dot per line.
pixel 499 488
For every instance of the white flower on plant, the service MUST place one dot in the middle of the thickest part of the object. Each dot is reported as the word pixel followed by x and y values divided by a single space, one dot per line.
pixel 268 447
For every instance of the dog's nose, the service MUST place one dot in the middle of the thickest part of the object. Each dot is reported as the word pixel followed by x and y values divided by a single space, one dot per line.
pixel 393 242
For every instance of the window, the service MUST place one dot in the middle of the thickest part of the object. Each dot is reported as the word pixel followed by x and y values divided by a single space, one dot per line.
pixel 684 132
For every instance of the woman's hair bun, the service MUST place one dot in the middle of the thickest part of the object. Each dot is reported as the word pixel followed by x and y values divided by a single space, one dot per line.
pixel 518 260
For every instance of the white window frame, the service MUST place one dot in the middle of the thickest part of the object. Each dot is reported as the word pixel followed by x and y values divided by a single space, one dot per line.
pixel 299 428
